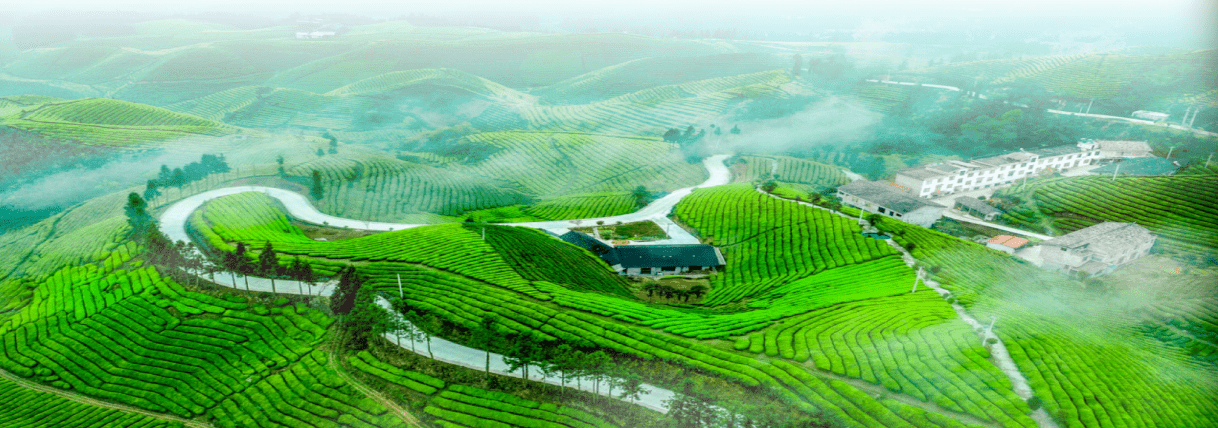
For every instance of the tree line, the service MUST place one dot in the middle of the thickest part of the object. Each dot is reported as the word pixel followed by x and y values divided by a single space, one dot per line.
pixel 188 260
pixel 184 175
pixel 361 320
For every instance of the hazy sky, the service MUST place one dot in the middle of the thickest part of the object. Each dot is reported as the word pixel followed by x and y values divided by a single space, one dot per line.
pixel 1181 8
pixel 1185 20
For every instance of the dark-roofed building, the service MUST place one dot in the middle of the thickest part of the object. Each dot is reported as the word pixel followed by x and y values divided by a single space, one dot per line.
pixel 588 242
pixel 1139 166
pixel 653 260
pixel 884 199
pixel 1098 249
pixel 637 260
pixel 977 208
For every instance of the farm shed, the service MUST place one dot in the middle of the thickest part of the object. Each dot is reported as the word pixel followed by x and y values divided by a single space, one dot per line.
pixel 1006 243
pixel 1097 250
pixel 637 260
pixel 977 208
pixel 884 199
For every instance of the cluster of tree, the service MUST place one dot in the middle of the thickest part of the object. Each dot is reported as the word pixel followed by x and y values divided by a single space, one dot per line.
pixel 684 139
pixel 689 409
pixel 179 258
pixel 614 377
pixel 333 143
pixel 179 177
pixel 266 264
pixel 668 292
pixel 362 319
pixel 359 317
pixel 641 196
pixel 833 67
pixel 821 200
pixel 768 186
pixel 316 190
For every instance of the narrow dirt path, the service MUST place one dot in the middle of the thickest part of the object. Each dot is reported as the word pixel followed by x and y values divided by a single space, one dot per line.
pixel 83 399
pixel 1000 357
pixel 373 394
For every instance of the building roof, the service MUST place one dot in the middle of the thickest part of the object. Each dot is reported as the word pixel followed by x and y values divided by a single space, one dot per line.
pixel 1003 159
pixel 886 196
pixel 926 171
pixel 1056 151
pixel 587 242
pixel 1103 238
pixel 977 205
pixel 1008 240
pixel 640 256
pixel 1123 146
pixel 1139 166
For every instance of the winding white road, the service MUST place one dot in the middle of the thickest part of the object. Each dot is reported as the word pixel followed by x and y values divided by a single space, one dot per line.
pixel 173 225
pixel 173 220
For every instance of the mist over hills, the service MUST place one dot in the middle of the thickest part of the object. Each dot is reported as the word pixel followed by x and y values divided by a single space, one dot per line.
pixel 389 214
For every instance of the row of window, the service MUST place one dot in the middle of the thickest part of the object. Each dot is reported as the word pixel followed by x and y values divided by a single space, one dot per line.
pixel 667 269
pixel 1004 167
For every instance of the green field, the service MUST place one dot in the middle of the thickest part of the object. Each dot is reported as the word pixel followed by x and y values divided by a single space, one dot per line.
pixel 112 123
pixel 810 240
pixel 1091 363
pixel 466 130
pixel 507 266
pixel 1101 76
pixel 559 175
pixel 1168 206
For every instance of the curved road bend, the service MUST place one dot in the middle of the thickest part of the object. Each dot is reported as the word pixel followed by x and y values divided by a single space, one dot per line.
pixel 173 220
pixel 173 224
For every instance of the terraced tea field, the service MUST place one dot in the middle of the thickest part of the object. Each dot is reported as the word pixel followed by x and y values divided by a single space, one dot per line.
pixel 416 138
pixel 1100 76
pixel 112 123
pixel 747 225
pixel 1168 206
pixel 1082 356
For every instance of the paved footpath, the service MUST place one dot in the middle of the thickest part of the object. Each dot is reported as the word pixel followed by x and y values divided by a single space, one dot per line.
pixel 970 219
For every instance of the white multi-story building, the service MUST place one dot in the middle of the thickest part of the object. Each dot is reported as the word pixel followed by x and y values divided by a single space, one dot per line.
pixel 996 171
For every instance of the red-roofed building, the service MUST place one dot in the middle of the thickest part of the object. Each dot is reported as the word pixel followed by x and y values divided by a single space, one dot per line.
pixel 1006 243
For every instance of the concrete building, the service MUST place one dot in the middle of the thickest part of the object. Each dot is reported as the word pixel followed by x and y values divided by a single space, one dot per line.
pixel 1097 250
pixel 950 177
pixel 1006 243
pixel 977 208
pixel 1113 149
pixel 884 199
